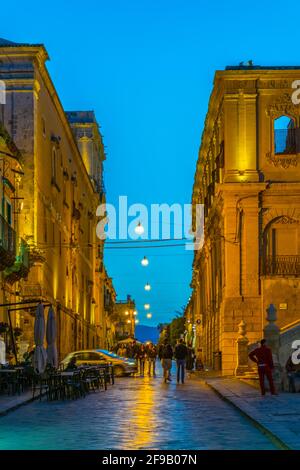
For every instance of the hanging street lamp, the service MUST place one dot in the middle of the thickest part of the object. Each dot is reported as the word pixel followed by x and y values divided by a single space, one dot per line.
pixel 139 229
pixel 145 261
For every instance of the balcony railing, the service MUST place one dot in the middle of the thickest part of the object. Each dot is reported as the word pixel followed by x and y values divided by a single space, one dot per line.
pixel 287 141
pixel 284 265
pixel 20 268
pixel 7 244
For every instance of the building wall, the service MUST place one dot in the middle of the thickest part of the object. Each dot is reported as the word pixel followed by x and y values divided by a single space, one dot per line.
pixel 248 191
pixel 60 201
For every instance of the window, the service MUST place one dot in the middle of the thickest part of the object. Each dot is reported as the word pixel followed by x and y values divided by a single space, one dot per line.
pixel 44 127
pixel 8 212
pixel 54 165
pixel 284 135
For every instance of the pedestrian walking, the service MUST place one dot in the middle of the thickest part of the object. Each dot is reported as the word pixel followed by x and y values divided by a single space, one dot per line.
pixel 166 360
pixel 151 354
pixel 293 372
pixel 190 359
pixel 262 356
pixel 160 350
pixel 142 356
pixel 181 352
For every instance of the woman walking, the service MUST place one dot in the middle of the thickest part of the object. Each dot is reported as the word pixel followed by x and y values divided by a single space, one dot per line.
pixel 166 362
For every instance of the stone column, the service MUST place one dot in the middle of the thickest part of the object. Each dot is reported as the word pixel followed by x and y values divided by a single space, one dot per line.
pixel 272 336
pixel 242 350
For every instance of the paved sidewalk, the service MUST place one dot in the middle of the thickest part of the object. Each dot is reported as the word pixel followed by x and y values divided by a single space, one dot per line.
pixel 277 416
pixel 12 402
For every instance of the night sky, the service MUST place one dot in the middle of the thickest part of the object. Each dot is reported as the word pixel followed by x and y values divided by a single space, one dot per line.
pixel 146 69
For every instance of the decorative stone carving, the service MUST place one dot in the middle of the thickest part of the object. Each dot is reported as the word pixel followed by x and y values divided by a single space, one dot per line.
pixel 242 366
pixel 284 161
pixel 282 106
pixel 269 84
pixel 285 219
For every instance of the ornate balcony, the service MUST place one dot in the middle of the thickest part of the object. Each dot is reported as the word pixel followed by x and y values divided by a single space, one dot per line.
pixel 284 265
pixel 20 268
pixel 7 244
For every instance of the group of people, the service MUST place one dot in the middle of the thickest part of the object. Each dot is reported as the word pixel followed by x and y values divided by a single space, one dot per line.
pixel 184 356
pixel 145 355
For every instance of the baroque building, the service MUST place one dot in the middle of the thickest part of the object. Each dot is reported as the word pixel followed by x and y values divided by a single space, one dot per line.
pixel 248 179
pixel 60 186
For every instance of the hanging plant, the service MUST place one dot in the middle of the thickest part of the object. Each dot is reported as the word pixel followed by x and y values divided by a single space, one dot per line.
pixel 4 327
pixel 18 331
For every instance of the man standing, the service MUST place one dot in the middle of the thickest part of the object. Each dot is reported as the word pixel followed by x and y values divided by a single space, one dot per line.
pixel 263 358
pixel 181 353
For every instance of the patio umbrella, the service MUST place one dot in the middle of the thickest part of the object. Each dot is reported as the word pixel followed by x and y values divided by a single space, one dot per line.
pixel 40 355
pixel 51 339
pixel 2 351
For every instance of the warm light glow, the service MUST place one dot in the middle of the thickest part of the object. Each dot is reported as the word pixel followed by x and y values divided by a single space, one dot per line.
pixel 147 306
pixel 135 312
pixel 149 315
pixel 128 321
pixel 126 313
pixel 147 286
pixel 145 261
pixel 139 229
pixel 137 320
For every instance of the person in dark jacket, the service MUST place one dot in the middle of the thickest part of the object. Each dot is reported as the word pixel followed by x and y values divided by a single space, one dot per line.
pixel 180 354
pixel 142 356
pixel 151 355
pixel 293 371
pixel 263 358
pixel 166 361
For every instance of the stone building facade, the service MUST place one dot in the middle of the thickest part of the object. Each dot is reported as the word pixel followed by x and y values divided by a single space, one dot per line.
pixel 248 179
pixel 62 185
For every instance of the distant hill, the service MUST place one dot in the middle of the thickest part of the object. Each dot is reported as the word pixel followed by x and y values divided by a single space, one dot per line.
pixel 145 333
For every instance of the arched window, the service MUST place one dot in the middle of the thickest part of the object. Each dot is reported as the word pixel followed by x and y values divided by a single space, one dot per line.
pixel 284 135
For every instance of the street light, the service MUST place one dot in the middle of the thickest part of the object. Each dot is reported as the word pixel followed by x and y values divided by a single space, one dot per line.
pixel 137 321
pixel 147 286
pixel 149 315
pixel 139 229
pixel 135 312
pixel 147 306
pixel 145 261
pixel 126 313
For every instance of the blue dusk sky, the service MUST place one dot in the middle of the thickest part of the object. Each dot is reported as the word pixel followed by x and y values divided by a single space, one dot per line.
pixel 146 69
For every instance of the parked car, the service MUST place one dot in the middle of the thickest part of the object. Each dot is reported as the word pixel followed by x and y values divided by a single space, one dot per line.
pixel 122 366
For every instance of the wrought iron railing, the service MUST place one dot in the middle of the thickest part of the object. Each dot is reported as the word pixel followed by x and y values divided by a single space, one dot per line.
pixel 7 236
pixel 287 141
pixel 284 265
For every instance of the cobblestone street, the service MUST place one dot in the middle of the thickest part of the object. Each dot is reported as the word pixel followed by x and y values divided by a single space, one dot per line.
pixel 137 413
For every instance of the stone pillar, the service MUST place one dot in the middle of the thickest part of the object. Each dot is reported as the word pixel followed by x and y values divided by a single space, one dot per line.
pixel 242 350
pixel 272 336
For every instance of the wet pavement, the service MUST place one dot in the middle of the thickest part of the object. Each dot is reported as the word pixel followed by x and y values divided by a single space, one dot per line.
pixel 137 413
